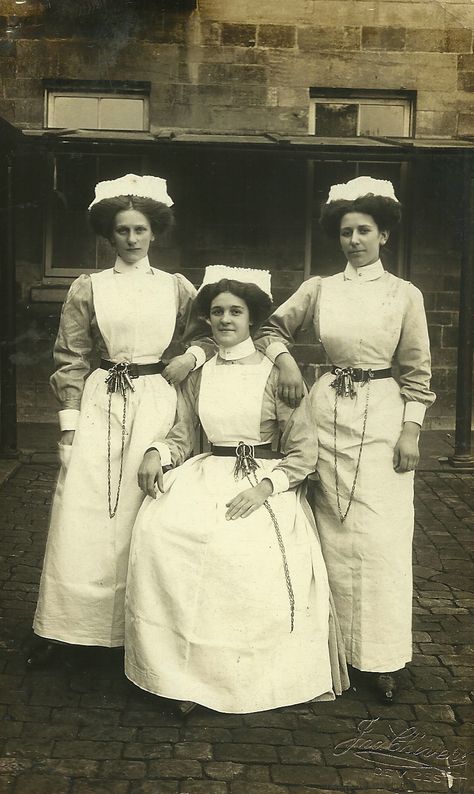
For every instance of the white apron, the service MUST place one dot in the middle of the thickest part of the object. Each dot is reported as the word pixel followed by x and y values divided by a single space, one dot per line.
pixel 81 597
pixel 208 612
pixel 369 555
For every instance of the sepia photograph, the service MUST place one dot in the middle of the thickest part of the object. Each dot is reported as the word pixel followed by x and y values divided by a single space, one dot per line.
pixel 236 391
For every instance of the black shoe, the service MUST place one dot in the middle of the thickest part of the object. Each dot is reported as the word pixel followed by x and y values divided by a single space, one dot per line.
pixel 42 655
pixel 386 687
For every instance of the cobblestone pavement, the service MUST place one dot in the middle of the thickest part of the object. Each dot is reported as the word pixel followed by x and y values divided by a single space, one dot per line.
pixel 80 728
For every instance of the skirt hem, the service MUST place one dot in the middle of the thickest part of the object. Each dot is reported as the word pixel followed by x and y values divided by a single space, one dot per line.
pixel 380 667
pixel 59 636
pixel 137 677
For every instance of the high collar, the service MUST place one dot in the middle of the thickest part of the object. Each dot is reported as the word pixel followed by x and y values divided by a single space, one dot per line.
pixel 142 266
pixel 241 350
pixel 366 273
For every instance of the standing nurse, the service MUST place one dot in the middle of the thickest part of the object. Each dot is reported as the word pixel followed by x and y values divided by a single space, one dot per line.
pixel 368 417
pixel 126 317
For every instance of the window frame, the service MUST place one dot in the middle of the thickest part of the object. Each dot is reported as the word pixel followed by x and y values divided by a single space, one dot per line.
pixel 360 97
pixel 132 89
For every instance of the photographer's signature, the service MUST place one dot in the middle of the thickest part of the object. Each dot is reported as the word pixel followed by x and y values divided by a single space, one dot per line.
pixel 409 753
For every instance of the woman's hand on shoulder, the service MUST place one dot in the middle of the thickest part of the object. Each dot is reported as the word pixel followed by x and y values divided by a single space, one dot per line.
pixel 291 387
pixel 246 502
pixel 150 473
pixel 179 368
pixel 406 454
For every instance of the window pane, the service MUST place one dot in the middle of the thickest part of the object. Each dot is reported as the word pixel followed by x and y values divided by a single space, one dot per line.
pixel 382 119
pixel 115 165
pixel 74 112
pixel 73 242
pixel 336 120
pixel 121 114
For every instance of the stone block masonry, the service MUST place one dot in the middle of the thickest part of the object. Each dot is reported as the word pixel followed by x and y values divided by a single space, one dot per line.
pixel 416 45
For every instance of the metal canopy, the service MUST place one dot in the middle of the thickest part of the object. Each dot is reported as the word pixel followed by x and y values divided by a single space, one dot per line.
pixel 462 143
pixel 265 140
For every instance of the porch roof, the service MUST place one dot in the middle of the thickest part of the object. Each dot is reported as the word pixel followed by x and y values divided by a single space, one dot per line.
pixel 260 140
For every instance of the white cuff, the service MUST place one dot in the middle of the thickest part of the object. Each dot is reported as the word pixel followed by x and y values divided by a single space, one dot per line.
pixel 274 349
pixel 278 479
pixel 414 412
pixel 164 450
pixel 68 418
pixel 198 354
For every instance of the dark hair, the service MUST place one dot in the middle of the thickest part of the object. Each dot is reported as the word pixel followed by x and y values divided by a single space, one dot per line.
pixel 258 302
pixel 385 211
pixel 102 215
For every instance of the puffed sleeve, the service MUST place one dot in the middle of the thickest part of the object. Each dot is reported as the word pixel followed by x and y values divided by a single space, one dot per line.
pixel 179 442
pixel 72 350
pixel 294 315
pixel 299 442
pixel 194 333
pixel 413 358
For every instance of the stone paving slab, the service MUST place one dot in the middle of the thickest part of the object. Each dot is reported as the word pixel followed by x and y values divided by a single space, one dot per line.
pixel 81 728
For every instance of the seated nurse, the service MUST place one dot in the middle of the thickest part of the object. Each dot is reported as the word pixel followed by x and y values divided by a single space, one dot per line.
pixel 228 603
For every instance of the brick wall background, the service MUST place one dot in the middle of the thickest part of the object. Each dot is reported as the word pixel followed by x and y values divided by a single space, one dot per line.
pixel 236 65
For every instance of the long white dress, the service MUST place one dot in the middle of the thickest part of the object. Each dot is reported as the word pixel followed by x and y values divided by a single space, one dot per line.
pixel 124 316
pixel 208 608
pixel 369 319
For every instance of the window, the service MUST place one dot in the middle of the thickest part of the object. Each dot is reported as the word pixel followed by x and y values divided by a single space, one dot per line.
pixel 349 113
pixel 89 105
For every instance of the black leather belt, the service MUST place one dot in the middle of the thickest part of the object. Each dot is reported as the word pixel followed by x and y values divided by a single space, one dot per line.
pixel 362 375
pixel 135 370
pixel 263 451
